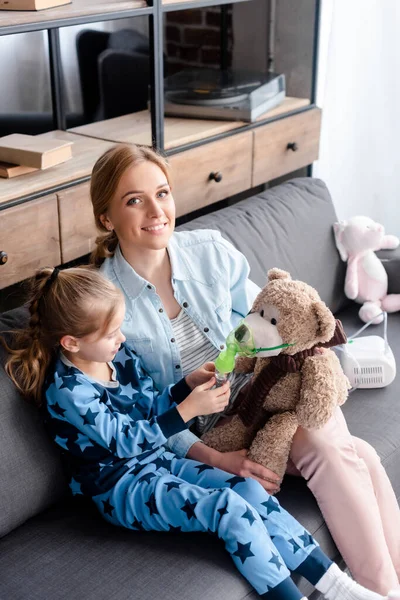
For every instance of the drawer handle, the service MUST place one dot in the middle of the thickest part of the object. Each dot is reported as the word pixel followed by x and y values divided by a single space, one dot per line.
pixel 3 257
pixel 217 177
pixel 292 146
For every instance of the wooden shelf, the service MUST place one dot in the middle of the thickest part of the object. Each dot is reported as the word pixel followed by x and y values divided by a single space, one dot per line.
pixel 171 5
pixel 90 141
pixel 79 10
pixel 188 2
pixel 85 152
pixel 136 128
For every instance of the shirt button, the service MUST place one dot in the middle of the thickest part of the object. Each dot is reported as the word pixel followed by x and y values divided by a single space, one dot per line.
pixel 149 287
pixel 177 366
pixel 206 330
pixel 222 346
pixel 172 340
pixel 185 305
pixel 160 310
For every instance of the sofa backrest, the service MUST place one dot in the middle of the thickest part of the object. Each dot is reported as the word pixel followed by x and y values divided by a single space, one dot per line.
pixel 31 476
pixel 288 226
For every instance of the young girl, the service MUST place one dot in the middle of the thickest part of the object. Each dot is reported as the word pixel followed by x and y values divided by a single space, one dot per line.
pixel 191 288
pixel 111 424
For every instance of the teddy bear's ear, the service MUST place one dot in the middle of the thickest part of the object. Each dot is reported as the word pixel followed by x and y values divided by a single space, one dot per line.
pixel 278 274
pixel 338 229
pixel 326 321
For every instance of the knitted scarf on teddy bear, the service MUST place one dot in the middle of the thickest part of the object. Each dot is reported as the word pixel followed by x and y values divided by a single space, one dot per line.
pixel 250 410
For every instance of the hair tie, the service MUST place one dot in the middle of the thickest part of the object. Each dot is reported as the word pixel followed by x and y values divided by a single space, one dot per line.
pixel 54 275
pixel 50 280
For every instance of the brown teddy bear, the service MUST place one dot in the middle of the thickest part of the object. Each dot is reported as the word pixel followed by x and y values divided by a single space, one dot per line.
pixel 300 385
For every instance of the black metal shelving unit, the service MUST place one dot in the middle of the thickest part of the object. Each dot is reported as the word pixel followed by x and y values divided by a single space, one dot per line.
pixel 155 10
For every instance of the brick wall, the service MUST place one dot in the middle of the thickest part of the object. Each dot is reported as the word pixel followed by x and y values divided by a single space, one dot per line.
pixel 193 38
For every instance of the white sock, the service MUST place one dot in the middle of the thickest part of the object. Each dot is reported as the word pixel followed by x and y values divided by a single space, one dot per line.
pixel 337 585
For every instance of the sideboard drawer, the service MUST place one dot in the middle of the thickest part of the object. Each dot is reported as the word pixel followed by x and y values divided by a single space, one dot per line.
pixel 286 145
pixel 77 227
pixel 29 239
pixel 209 173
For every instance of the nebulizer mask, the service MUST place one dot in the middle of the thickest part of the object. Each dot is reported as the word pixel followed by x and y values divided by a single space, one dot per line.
pixel 240 342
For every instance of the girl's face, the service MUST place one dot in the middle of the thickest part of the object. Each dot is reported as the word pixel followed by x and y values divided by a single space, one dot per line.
pixel 142 212
pixel 101 346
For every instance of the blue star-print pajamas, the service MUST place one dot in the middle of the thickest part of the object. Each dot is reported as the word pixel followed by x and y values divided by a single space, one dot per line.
pixel 112 438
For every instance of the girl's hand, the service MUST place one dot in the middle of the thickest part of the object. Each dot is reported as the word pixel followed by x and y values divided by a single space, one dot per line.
pixel 200 375
pixel 205 401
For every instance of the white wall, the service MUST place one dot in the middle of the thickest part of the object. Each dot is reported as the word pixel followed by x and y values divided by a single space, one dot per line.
pixel 359 92
pixel 250 35
pixel 294 31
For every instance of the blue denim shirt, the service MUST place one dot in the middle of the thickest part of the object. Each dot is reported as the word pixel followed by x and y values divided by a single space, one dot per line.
pixel 210 282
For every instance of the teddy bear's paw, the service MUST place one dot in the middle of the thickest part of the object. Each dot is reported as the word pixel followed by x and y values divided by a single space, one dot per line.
pixel 272 444
pixel 227 438
pixel 245 364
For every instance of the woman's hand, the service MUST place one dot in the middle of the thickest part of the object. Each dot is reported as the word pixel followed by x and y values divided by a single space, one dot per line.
pixel 200 375
pixel 205 401
pixel 236 463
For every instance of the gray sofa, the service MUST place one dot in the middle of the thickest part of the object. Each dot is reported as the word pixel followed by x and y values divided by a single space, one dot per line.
pixel 53 547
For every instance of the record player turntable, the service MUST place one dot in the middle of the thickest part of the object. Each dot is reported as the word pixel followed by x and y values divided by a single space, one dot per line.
pixel 227 95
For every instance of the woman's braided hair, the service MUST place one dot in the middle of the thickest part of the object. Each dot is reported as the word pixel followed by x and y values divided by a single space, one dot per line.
pixel 76 302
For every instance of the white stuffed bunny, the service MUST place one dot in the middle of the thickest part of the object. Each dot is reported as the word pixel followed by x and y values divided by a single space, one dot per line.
pixel 366 280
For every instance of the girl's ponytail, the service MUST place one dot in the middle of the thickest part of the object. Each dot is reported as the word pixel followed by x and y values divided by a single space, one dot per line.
pixel 32 354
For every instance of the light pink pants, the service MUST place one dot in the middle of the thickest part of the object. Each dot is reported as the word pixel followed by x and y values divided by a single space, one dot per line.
pixel 356 499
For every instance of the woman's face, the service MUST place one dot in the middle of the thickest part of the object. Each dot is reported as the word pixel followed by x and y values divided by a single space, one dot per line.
pixel 142 211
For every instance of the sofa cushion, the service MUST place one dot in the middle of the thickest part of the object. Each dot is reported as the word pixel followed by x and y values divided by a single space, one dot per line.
pixel 69 551
pixel 30 469
pixel 289 226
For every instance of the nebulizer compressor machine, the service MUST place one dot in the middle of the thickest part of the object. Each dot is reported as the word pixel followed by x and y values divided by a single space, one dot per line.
pixel 368 362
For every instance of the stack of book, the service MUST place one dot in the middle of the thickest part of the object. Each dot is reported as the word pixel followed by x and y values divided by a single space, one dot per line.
pixel 20 154
pixel 31 4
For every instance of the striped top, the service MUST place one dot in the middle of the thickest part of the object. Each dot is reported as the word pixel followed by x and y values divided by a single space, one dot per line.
pixel 194 347
pixel 195 350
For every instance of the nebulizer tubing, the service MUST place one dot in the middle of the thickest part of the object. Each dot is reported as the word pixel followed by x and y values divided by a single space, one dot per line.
pixel 356 334
pixel 238 345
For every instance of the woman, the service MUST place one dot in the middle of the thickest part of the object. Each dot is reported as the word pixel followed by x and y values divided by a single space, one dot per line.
pixel 178 283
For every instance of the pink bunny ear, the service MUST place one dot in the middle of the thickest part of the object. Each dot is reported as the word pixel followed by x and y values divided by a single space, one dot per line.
pixel 338 229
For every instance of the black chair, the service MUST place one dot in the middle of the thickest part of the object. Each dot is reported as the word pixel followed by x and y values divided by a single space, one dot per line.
pixel 114 70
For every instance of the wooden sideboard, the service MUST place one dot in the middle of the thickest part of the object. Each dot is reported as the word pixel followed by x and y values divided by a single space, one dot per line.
pixel 46 217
